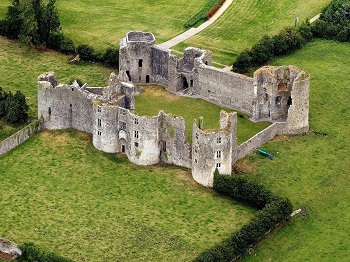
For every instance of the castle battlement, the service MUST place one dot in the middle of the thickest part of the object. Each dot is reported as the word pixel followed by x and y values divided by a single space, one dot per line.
pixel 276 94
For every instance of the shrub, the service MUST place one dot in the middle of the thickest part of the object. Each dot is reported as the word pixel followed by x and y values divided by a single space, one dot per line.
pixel 32 253
pixel 111 57
pixel 86 52
pixel 274 210
pixel 13 107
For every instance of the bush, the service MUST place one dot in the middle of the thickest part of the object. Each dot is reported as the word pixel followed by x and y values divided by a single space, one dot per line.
pixel 111 57
pixel 13 107
pixel 86 52
pixel 274 210
pixel 32 253
pixel 334 22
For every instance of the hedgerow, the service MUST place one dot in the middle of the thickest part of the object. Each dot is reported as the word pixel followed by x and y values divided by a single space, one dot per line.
pixel 206 12
pixel 273 210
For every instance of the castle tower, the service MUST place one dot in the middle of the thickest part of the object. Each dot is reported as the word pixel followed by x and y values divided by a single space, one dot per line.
pixel 282 94
pixel 213 149
pixel 135 57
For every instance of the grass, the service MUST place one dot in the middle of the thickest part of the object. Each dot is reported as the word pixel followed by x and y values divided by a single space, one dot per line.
pixel 245 22
pixel 105 22
pixel 21 66
pixel 190 109
pixel 67 197
pixel 313 170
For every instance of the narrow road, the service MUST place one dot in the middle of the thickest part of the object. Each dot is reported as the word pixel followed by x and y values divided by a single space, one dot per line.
pixel 192 31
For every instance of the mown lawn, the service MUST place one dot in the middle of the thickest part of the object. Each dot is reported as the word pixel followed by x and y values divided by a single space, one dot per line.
pixel 103 23
pixel 67 197
pixel 313 171
pixel 155 98
pixel 245 22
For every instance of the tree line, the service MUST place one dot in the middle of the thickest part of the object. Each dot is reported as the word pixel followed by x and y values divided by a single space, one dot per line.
pixel 37 23
pixel 334 23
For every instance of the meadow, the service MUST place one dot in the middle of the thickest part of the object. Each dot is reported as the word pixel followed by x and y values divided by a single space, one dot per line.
pixel 67 197
pixel 103 23
pixel 312 170
pixel 20 68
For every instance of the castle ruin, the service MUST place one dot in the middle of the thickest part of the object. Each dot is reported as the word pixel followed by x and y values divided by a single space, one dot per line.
pixel 276 94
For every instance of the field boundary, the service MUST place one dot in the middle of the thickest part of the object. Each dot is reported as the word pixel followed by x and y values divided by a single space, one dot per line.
pixel 19 137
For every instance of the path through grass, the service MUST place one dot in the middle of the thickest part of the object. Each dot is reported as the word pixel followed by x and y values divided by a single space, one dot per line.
pixel 67 197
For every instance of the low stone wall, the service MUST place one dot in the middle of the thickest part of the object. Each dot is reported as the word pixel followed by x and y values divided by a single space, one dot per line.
pixel 18 138
pixel 260 138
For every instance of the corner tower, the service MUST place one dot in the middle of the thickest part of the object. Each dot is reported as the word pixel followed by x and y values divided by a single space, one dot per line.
pixel 135 57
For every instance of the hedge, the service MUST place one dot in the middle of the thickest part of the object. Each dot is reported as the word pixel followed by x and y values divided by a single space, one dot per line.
pixel 32 253
pixel 273 210
pixel 287 41
pixel 204 13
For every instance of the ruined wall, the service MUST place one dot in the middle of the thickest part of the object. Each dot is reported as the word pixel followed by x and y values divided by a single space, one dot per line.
pixel 225 88
pixel 135 56
pixel 160 62
pixel 143 139
pixel 105 133
pixel 174 147
pixel 213 149
pixel 298 113
pixel 19 137
pixel 260 138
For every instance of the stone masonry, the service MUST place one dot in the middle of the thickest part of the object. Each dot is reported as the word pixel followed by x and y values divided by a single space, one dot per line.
pixel 276 94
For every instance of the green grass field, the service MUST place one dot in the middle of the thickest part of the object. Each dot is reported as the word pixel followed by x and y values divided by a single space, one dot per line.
pixel 103 23
pixel 191 109
pixel 67 197
pixel 245 22
pixel 20 67
pixel 313 170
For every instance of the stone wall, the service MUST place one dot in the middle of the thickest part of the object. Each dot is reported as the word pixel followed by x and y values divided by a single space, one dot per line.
pixel 260 138
pixel 19 137
pixel 227 89
pixel 174 146
pixel 213 149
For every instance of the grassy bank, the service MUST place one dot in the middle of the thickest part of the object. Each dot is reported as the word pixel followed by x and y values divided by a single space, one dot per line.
pixel 312 171
pixel 67 197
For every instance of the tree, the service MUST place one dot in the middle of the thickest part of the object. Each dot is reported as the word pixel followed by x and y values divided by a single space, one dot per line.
pixel 31 21
pixel 13 107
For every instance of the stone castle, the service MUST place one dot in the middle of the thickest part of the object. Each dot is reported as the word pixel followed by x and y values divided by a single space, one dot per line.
pixel 276 94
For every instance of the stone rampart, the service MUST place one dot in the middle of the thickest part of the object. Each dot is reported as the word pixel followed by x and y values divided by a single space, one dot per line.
pixel 227 89
pixel 19 137
pixel 260 138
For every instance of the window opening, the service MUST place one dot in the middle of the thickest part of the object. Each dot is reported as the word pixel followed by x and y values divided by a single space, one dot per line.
pixel 128 74
pixel 136 134
pixel 218 140
pixel 147 78
pixel 99 122
pixel 218 154
pixel 140 62
pixel 218 165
